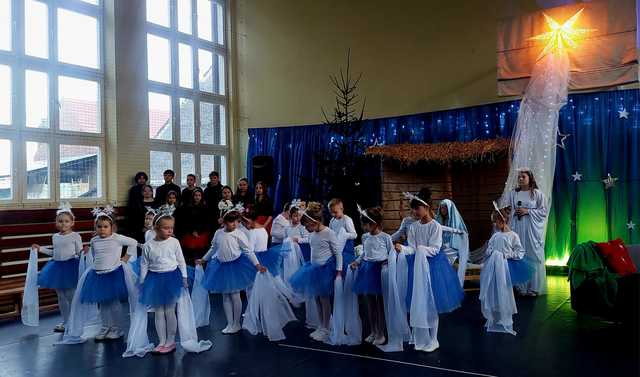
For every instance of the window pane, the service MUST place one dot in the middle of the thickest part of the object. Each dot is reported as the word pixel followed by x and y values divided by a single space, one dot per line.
pixel 79 104
pixel 187 129
pixel 36 25
pixel 158 59
pixel 37 99
pixel 159 162
pixel 209 163
pixel 184 16
pixel 212 124
pixel 5 25
pixel 6 183
pixel 205 70
pixel 77 39
pixel 219 23
pixel 204 20
pixel 187 166
pixel 185 65
pixel 220 85
pixel 37 170
pixel 158 12
pixel 94 2
pixel 80 174
pixel 160 127
pixel 5 94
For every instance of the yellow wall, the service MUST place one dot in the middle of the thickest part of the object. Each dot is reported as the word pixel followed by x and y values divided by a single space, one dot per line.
pixel 416 56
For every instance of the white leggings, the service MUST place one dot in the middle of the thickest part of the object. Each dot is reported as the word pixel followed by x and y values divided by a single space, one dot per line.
pixel 166 323
pixel 65 297
pixel 110 314
pixel 232 304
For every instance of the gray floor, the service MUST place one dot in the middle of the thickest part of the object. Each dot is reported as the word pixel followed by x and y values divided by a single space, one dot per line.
pixel 552 340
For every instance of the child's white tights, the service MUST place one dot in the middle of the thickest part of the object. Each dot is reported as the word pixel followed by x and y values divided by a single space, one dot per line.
pixel 166 324
pixel 65 297
pixel 232 304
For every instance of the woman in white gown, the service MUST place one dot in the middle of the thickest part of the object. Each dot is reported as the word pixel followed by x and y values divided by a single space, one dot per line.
pixel 528 219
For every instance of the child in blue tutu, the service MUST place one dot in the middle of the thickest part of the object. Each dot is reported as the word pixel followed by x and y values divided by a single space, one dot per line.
pixel 376 245
pixel 314 280
pixel 105 284
pixel 232 266
pixel 341 222
pixel 61 272
pixel 163 274
pixel 258 237
pixel 498 303
pixel 444 290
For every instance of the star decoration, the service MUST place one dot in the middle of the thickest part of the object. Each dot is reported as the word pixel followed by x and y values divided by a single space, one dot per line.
pixel 561 36
pixel 563 137
pixel 609 182
pixel 577 177
pixel 623 114
pixel 631 225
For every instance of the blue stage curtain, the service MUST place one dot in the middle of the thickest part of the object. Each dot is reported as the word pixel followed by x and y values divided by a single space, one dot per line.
pixel 599 142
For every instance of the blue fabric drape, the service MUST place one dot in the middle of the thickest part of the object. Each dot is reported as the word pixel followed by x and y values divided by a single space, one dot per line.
pixel 599 142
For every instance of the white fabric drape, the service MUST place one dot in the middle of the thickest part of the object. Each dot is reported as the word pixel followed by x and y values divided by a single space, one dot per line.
pixel 200 299
pixel 345 324
pixel 30 312
pixel 394 306
pixel 496 294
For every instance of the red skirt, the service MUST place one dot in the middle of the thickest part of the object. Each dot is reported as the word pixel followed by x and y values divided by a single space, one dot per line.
pixel 189 241
pixel 263 219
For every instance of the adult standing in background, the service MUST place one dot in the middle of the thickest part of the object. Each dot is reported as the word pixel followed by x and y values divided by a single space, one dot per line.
pixel 263 207
pixel 163 190
pixel 212 196
pixel 135 202
pixel 243 194
pixel 192 228
pixel 187 193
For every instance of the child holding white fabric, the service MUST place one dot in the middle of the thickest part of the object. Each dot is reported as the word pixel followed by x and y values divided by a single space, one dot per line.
pixel 61 272
pixel 105 284
pixel 258 237
pixel 280 223
pixel 498 304
pixel 376 245
pixel 232 267
pixel 163 274
pixel 341 222
pixel 296 231
pixel 314 280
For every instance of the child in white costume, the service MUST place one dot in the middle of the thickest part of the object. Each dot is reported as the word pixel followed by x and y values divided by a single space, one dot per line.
pixel 498 304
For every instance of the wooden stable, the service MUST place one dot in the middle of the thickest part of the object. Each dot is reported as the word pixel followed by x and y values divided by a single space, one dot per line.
pixel 472 184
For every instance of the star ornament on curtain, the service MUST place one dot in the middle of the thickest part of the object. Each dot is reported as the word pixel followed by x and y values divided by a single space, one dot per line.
pixel 623 114
pixel 631 225
pixel 561 36
pixel 609 182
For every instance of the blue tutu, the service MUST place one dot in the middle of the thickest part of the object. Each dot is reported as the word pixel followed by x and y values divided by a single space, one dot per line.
pixel 369 278
pixel 59 274
pixel 520 271
pixel 447 292
pixel 104 288
pixel 313 280
pixel 229 277
pixel 271 259
pixel 348 255
pixel 305 248
pixel 161 288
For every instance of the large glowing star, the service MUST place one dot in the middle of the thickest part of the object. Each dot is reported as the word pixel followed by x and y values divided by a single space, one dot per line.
pixel 561 36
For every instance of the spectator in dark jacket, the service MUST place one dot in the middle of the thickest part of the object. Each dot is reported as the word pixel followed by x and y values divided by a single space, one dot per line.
pixel 162 191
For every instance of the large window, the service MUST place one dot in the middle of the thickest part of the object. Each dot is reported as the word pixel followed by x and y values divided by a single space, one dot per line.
pixel 51 80
pixel 187 94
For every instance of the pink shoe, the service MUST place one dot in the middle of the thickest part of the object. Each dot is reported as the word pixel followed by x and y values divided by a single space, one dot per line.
pixel 158 349
pixel 168 348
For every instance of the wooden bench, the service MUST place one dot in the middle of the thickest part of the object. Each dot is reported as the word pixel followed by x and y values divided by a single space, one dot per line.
pixel 18 230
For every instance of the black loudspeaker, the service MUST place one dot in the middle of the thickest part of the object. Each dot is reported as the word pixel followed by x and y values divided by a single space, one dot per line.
pixel 262 169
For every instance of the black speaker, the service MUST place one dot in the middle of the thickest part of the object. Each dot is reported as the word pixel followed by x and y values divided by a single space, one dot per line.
pixel 262 169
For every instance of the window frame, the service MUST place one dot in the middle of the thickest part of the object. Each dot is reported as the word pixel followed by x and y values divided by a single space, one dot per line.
pixel 18 132
pixel 176 146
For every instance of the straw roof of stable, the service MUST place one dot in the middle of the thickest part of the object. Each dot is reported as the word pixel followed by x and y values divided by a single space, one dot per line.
pixel 473 151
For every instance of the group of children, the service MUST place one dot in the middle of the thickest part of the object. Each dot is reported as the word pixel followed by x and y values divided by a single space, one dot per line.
pixel 405 280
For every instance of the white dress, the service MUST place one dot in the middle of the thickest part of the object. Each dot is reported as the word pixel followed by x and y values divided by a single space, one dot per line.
pixel 531 230
pixel 496 293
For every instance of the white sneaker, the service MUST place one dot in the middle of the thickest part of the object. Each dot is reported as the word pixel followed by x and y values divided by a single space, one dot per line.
pixel 227 329
pixel 431 347
pixel 370 338
pixel 323 335
pixel 102 334
pixel 234 329
pixel 315 334
pixel 379 341
pixel 113 334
